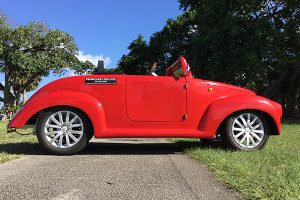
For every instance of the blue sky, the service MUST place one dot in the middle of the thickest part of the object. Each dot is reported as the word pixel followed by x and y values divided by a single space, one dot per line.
pixel 101 29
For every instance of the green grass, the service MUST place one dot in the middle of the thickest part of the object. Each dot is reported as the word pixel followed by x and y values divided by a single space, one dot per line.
pixel 14 146
pixel 272 173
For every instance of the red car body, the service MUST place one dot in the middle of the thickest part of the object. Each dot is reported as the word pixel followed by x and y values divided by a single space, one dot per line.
pixel 121 105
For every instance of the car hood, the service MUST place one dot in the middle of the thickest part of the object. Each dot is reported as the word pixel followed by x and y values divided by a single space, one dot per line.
pixel 224 85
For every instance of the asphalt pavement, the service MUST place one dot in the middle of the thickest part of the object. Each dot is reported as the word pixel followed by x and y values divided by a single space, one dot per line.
pixel 112 169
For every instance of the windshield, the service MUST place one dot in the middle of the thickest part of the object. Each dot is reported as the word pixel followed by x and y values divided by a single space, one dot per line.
pixel 175 69
pixel 178 72
pixel 178 69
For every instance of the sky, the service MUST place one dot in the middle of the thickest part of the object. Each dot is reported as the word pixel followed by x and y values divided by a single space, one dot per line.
pixel 102 29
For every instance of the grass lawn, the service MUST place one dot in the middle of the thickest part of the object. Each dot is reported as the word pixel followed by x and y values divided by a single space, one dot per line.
pixel 273 173
pixel 13 145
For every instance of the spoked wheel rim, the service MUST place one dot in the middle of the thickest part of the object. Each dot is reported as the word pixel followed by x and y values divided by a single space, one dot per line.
pixel 248 130
pixel 63 129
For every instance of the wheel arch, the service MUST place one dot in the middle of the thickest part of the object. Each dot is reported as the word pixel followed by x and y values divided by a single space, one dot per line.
pixel 269 119
pixel 219 111
pixel 86 103
pixel 34 119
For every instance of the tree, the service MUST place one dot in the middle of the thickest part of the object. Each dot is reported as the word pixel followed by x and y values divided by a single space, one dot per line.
pixel 28 53
pixel 173 40
pixel 253 44
pixel 136 61
pixel 249 43
pixel 164 47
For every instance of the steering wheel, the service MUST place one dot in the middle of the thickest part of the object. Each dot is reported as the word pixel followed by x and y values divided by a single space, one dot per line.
pixel 151 70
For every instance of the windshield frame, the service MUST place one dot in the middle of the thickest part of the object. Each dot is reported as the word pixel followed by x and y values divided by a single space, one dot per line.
pixel 180 63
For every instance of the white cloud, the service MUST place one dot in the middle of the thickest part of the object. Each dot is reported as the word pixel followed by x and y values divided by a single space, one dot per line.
pixel 94 58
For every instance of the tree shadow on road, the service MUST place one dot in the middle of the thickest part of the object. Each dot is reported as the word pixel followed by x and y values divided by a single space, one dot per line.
pixel 112 148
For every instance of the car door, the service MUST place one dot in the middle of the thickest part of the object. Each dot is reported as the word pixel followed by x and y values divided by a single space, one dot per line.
pixel 156 98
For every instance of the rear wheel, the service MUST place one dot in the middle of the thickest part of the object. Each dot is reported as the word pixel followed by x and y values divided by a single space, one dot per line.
pixel 63 131
pixel 246 131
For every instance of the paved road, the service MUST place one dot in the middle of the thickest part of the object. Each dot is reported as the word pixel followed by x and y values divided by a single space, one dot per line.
pixel 112 169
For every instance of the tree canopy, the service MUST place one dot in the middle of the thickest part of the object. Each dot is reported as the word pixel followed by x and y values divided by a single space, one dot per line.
pixel 253 44
pixel 28 53
pixel 164 47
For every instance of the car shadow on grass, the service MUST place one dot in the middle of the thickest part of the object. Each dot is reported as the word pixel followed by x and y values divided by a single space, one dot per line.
pixel 107 148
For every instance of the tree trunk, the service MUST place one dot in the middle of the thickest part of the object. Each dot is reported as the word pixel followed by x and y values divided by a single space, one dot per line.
pixel 6 88
pixel 275 86
pixel 287 85
pixel 291 102
pixel 292 90
pixel 23 96
pixel 17 97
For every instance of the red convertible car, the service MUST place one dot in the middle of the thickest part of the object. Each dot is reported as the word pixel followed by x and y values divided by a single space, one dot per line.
pixel 68 112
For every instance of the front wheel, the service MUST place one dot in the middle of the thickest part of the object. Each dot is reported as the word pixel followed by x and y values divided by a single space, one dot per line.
pixel 246 131
pixel 63 131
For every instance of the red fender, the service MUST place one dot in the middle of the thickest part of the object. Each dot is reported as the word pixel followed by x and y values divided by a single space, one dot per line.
pixel 86 103
pixel 222 108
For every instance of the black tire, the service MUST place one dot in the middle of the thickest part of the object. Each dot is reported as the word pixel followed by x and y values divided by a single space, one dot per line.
pixel 77 147
pixel 231 142
pixel 90 136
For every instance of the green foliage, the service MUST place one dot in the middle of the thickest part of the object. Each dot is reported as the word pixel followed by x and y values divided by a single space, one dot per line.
pixel 9 108
pixel 173 40
pixel 37 50
pixel 28 53
pixel 3 30
pixel 164 47
pixel 135 62
pixel 253 44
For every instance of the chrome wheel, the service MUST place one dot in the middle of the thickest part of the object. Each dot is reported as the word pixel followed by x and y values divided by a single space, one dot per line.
pixel 248 130
pixel 63 129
